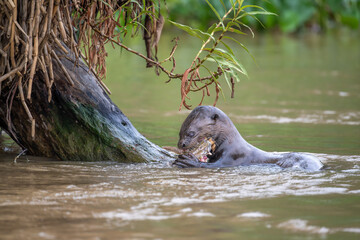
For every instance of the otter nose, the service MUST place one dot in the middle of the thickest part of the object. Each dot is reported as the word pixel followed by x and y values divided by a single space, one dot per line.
pixel 181 144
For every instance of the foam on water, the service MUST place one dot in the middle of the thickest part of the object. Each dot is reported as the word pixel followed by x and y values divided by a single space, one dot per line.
pixel 300 225
pixel 310 117
pixel 253 215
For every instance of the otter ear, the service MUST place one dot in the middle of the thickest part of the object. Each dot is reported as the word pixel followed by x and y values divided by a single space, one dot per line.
pixel 214 117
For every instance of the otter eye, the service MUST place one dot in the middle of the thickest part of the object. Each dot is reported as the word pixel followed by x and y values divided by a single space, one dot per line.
pixel 214 117
pixel 191 134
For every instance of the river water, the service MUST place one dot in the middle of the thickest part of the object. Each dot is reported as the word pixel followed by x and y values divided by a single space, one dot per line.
pixel 303 95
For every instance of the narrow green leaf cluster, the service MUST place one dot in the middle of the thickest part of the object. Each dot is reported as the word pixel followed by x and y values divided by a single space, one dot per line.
pixel 218 51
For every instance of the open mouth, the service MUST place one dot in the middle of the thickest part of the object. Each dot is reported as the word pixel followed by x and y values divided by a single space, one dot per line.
pixel 205 149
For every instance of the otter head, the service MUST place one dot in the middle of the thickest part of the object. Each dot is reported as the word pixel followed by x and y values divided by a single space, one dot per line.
pixel 203 122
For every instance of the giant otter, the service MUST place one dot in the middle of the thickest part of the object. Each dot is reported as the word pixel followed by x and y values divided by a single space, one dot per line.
pixel 229 148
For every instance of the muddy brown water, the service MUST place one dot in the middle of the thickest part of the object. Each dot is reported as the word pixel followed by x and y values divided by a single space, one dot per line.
pixel 304 95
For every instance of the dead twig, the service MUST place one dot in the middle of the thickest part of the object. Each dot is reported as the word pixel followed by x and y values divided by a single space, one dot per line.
pixel 21 92
pixel 61 27
pixel 57 41
pixel 21 30
pixel 31 28
pixel 48 61
pixel 62 67
pixel 12 35
pixel 20 154
pixel 12 72
pixel 36 48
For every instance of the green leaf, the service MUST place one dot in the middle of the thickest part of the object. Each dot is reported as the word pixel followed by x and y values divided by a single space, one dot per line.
pixel 211 28
pixel 241 45
pixel 227 70
pixel 225 62
pixel 253 6
pixel 232 23
pixel 227 47
pixel 233 6
pixel 240 2
pixel 243 24
pixel 214 10
pixel 193 32
pixel 212 75
pixel 227 79
pixel 234 30
pixel 218 29
pixel 222 3
pixel 254 13
pixel 136 2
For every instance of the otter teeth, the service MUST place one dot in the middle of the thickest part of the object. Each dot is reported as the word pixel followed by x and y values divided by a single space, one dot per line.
pixel 204 149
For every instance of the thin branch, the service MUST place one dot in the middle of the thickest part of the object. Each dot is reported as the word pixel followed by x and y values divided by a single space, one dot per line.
pixel 26 108
pixel 62 67
pixel 158 64
pixel 12 72
pixel 12 35
pixel 21 30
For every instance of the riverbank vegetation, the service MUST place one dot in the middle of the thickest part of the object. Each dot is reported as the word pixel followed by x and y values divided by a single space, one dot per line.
pixel 291 16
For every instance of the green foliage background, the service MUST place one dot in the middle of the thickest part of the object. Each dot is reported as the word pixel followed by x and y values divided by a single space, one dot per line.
pixel 293 15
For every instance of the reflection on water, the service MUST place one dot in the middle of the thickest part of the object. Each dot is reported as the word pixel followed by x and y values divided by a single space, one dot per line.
pixel 304 96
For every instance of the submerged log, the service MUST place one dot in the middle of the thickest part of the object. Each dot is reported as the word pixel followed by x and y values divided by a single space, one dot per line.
pixel 79 123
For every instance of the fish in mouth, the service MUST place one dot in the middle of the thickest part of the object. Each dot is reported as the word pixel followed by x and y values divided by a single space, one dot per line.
pixel 203 150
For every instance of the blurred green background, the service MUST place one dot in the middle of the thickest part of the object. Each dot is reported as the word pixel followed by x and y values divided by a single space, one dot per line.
pixel 292 15
pixel 303 89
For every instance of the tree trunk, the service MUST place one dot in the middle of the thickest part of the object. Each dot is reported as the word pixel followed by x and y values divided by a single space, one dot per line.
pixel 80 123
